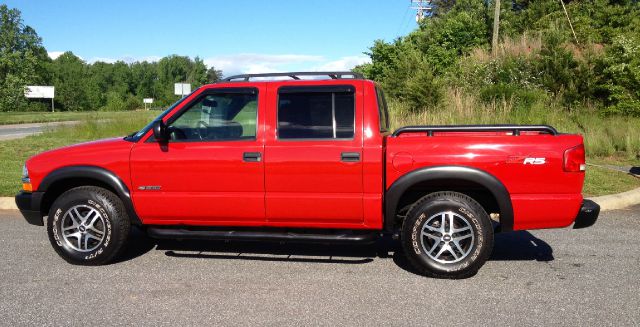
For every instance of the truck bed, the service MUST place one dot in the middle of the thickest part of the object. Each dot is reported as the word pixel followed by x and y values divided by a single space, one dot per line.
pixel 527 160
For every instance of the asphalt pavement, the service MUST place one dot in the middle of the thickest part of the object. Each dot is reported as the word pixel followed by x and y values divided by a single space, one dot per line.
pixel 548 277
pixel 17 131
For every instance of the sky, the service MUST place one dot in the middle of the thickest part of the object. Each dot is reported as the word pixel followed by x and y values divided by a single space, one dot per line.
pixel 235 36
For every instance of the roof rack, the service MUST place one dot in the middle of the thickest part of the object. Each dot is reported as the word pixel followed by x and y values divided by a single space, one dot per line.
pixel 295 75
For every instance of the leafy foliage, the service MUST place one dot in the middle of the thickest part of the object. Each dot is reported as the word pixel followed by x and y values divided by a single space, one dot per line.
pixel 537 60
pixel 80 86
pixel 22 59
pixel 619 76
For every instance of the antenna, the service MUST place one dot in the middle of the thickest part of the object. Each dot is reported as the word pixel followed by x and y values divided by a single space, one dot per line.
pixel 423 9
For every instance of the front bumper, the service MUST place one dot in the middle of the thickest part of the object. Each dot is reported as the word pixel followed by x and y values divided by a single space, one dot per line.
pixel 29 205
pixel 587 215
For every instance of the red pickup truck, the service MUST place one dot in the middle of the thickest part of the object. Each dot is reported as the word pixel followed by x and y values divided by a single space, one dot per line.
pixel 302 158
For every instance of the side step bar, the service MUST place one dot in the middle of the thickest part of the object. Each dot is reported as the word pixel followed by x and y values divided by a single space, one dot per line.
pixel 261 235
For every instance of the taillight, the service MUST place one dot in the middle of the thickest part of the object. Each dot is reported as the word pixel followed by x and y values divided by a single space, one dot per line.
pixel 574 159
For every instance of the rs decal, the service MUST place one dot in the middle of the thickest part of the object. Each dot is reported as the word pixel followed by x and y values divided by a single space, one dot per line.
pixel 534 161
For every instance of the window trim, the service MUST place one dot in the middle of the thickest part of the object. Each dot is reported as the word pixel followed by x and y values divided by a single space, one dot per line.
pixel 384 128
pixel 212 91
pixel 332 89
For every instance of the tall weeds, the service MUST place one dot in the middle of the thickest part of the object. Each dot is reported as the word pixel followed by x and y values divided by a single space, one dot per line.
pixel 604 136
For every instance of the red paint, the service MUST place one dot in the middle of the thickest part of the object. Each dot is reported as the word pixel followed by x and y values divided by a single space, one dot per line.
pixel 303 183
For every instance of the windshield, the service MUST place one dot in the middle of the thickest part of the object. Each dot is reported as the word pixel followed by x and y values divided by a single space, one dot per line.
pixel 137 135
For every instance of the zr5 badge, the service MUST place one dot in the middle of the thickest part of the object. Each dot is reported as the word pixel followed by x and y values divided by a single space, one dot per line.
pixel 534 161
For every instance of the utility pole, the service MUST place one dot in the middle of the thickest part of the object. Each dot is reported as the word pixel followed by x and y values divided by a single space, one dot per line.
pixel 496 27
pixel 423 9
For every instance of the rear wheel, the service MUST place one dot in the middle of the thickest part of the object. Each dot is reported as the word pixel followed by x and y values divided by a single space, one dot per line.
pixel 88 225
pixel 447 235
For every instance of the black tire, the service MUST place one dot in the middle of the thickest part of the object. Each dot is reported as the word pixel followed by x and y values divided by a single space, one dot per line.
pixel 107 214
pixel 422 251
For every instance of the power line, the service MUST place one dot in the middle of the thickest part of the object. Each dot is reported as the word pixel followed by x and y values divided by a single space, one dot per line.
pixel 402 22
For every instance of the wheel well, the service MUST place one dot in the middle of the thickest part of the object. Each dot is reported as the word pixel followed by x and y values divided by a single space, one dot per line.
pixel 474 190
pixel 61 186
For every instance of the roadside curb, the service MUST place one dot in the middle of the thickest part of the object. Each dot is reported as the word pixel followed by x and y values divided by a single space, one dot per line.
pixel 618 201
pixel 606 202
pixel 8 203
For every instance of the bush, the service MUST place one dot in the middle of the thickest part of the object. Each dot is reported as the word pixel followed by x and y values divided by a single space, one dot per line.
pixel 116 102
pixel 619 71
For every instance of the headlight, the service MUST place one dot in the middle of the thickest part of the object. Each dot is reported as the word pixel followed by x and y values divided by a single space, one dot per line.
pixel 26 181
pixel 25 172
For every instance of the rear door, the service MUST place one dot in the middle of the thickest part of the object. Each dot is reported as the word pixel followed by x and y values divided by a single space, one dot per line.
pixel 313 156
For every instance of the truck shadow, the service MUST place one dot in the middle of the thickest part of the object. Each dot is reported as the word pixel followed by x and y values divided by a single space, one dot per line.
pixel 516 246
pixel 513 246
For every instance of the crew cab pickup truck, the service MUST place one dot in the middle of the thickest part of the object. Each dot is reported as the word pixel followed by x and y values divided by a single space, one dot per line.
pixel 302 158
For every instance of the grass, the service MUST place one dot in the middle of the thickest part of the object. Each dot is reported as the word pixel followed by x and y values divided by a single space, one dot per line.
pixel 604 136
pixel 599 181
pixel 612 141
pixel 13 153
pixel 45 117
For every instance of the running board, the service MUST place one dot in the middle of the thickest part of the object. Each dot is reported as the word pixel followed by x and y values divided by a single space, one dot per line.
pixel 262 235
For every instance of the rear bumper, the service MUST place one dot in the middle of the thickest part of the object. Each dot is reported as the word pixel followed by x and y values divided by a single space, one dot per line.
pixel 29 205
pixel 587 215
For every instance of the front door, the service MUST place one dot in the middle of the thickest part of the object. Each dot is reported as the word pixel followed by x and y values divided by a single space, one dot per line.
pixel 211 170
pixel 313 161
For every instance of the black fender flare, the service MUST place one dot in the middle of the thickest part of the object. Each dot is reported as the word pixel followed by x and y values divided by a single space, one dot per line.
pixel 497 189
pixel 96 173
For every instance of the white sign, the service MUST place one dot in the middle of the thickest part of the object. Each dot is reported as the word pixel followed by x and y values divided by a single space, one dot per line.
pixel 182 89
pixel 147 100
pixel 46 92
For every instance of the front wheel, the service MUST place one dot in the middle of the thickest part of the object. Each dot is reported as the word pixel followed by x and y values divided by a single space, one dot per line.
pixel 88 225
pixel 447 235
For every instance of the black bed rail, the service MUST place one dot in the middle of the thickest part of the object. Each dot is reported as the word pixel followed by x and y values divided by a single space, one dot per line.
pixel 514 129
pixel 295 75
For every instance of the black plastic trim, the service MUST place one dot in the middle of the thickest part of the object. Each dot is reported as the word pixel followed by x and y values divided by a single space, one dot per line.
pixel 29 206
pixel 350 156
pixel 295 75
pixel 317 89
pixel 587 215
pixel 402 184
pixel 259 235
pixel 515 129
pixel 252 156
pixel 96 173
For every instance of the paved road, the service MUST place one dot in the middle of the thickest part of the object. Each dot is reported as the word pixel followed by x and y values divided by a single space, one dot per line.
pixel 17 131
pixel 551 277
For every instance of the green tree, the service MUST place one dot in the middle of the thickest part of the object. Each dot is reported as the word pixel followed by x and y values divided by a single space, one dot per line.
pixel 22 59
pixel 213 75
pixel 619 76
pixel 70 80
pixel 198 73
pixel 144 75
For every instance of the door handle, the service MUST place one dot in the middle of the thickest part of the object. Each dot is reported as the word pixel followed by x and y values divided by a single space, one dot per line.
pixel 350 156
pixel 252 156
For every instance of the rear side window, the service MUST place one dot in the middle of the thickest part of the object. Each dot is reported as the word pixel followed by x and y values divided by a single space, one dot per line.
pixel 316 112
pixel 383 112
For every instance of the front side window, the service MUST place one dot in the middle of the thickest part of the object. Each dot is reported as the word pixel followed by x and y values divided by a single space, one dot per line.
pixel 218 117
pixel 316 114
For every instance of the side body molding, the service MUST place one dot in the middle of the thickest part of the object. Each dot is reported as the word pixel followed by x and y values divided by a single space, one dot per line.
pixel 96 173
pixel 402 184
